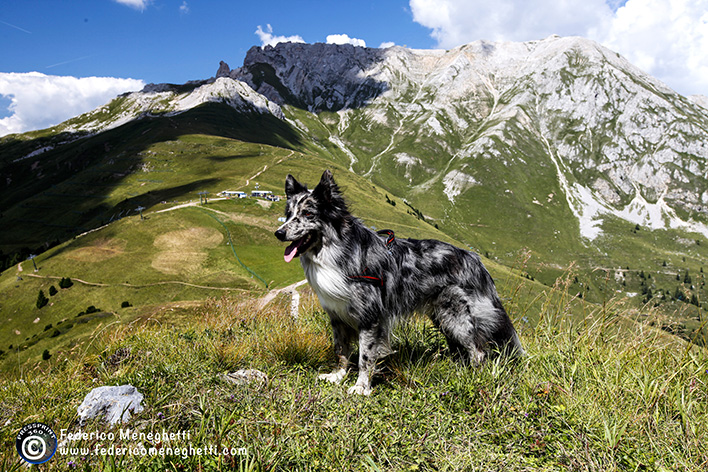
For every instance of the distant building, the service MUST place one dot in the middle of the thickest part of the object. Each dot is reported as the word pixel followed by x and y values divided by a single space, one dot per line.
pixel 232 193
pixel 261 193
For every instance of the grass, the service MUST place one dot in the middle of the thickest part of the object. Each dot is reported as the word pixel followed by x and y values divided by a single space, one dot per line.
pixel 596 392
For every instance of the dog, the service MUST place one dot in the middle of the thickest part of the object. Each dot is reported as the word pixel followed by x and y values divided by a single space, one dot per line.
pixel 366 280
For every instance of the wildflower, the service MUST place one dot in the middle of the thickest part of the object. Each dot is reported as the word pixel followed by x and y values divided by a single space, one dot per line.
pixel 160 415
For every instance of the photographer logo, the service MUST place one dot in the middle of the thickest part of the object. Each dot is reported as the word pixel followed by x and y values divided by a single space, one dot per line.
pixel 36 443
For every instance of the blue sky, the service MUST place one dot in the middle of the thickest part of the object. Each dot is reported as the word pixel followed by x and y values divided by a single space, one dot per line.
pixel 50 48
pixel 174 40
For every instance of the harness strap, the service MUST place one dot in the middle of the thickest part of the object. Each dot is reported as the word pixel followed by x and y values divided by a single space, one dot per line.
pixel 390 234
pixel 370 278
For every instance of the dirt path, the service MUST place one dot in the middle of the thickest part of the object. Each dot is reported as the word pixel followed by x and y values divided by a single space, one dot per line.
pixel 168 282
pixel 292 290
pixel 188 204
pixel 248 181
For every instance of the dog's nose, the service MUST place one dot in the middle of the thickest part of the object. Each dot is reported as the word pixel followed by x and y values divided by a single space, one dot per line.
pixel 280 234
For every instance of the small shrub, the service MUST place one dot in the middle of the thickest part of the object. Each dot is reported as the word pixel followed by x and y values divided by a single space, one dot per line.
pixel 53 291
pixel 65 282
pixel 125 304
pixel 45 355
pixel 42 300
pixel 55 333
pixel 48 327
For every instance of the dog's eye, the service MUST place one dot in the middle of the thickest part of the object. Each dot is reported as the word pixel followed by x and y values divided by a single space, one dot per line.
pixel 309 215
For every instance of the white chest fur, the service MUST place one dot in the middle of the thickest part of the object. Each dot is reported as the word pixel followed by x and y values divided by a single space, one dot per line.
pixel 328 282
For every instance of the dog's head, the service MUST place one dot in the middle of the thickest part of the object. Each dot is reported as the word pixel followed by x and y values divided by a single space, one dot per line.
pixel 309 213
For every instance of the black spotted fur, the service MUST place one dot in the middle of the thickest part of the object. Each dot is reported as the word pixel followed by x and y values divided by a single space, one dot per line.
pixel 366 281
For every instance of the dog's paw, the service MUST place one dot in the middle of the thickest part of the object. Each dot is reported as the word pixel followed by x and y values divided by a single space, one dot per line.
pixel 335 377
pixel 359 390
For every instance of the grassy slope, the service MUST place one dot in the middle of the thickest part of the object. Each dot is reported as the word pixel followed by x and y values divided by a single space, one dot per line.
pixel 585 398
pixel 535 416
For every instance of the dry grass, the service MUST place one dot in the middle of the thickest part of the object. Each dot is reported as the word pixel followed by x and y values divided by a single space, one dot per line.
pixel 183 251
pixel 100 250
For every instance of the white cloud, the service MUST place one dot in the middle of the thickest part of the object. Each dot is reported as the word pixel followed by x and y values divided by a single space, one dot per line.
pixel 137 4
pixel 269 39
pixel 345 39
pixel 387 44
pixel 39 101
pixel 666 38
pixel 184 8
pixel 456 22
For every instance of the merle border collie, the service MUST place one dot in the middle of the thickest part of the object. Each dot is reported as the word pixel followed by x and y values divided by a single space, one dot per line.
pixel 366 280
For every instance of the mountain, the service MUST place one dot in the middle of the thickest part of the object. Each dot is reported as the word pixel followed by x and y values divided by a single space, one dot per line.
pixel 169 100
pixel 548 157
pixel 620 142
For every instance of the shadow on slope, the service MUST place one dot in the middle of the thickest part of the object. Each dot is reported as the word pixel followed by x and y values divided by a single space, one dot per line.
pixel 49 198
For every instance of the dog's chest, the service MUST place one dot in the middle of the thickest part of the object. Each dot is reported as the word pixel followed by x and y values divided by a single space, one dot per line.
pixel 328 282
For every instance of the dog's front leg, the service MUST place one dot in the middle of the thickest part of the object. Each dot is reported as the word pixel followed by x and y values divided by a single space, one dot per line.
pixel 342 336
pixel 371 345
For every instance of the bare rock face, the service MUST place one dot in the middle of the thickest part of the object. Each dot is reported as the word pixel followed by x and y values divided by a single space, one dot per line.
pixel 224 70
pixel 316 77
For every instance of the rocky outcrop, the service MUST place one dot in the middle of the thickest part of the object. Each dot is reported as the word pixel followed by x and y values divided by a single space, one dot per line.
pixel 621 142
pixel 224 70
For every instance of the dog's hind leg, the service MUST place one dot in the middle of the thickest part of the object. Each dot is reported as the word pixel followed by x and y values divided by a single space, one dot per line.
pixel 343 335
pixel 468 323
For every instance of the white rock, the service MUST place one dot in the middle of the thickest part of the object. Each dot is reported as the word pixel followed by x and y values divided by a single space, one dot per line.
pixel 113 403
pixel 246 376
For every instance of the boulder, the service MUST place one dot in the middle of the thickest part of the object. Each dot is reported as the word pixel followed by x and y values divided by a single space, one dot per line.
pixel 113 403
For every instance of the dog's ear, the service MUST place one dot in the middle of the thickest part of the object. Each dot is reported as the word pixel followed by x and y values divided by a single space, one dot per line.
pixel 332 206
pixel 293 187
pixel 327 188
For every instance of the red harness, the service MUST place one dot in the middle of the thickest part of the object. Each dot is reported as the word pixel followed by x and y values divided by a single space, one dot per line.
pixel 370 278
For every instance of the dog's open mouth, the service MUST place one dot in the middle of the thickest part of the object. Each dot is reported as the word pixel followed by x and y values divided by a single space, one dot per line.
pixel 297 247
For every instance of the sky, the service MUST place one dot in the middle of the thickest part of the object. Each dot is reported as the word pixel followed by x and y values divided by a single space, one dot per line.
pixel 62 58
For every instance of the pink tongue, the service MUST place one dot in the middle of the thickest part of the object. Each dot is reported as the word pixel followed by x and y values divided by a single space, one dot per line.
pixel 291 250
